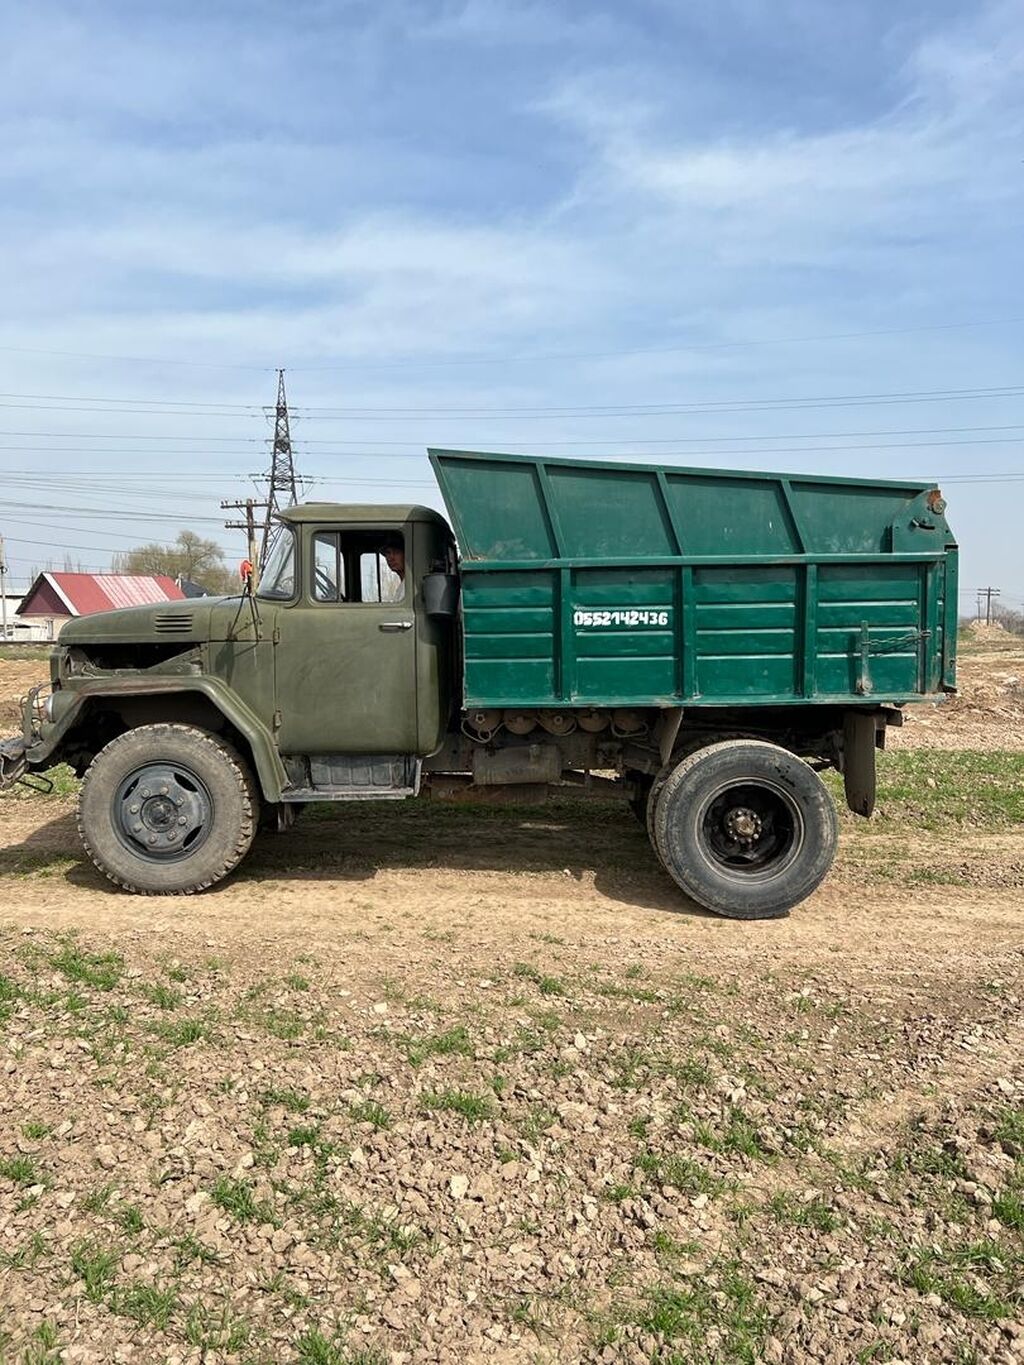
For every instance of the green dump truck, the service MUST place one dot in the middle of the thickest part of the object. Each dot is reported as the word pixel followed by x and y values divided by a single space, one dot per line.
pixel 702 642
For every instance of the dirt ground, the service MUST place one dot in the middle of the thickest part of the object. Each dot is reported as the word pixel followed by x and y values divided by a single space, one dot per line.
pixel 442 1084
pixel 988 709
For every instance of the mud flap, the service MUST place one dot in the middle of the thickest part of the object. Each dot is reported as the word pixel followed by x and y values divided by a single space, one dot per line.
pixel 859 731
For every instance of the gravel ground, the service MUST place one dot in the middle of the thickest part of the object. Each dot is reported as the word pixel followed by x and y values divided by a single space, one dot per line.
pixel 429 1084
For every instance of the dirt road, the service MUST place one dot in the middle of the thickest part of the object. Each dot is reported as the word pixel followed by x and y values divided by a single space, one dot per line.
pixel 432 1083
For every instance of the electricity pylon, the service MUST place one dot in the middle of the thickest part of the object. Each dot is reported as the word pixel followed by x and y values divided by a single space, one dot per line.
pixel 281 485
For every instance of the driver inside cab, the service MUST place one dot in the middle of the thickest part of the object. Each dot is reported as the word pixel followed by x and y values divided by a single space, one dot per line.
pixel 393 552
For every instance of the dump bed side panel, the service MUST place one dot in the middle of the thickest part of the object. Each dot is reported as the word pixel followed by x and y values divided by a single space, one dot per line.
pixel 603 584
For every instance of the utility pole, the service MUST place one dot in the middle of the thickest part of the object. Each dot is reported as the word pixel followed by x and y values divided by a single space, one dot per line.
pixel 250 506
pixel 281 486
pixel 3 584
pixel 989 594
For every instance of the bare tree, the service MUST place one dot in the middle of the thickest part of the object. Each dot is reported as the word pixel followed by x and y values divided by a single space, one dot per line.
pixel 191 556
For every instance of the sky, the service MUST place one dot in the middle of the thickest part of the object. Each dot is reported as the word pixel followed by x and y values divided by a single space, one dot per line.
pixel 722 233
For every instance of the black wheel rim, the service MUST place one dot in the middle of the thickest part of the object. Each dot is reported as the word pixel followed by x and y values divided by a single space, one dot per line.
pixel 751 829
pixel 163 812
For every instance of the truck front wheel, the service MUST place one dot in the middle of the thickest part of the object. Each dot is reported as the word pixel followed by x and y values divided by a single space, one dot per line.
pixel 167 810
pixel 746 828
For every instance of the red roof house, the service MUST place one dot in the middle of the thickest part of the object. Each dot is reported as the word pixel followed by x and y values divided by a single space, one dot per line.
pixel 55 597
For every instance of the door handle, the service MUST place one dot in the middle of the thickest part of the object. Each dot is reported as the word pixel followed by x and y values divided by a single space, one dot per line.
pixel 395 625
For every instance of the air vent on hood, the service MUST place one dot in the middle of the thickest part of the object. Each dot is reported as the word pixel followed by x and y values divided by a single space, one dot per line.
pixel 169 623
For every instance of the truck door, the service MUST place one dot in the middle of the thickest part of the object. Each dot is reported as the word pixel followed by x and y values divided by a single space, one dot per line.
pixel 346 656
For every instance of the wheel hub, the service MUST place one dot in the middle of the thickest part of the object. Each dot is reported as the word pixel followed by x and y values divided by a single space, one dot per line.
pixel 751 827
pixel 743 825
pixel 163 811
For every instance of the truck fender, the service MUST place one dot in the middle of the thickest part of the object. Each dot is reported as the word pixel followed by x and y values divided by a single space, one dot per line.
pixel 266 759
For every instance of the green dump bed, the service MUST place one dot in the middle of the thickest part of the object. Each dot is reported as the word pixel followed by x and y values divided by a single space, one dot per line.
pixel 600 583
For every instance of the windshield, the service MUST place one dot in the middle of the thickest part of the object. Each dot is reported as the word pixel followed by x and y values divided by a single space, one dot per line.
pixel 278 580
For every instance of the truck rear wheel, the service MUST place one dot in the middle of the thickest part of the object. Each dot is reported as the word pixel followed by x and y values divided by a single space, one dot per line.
pixel 167 810
pixel 746 828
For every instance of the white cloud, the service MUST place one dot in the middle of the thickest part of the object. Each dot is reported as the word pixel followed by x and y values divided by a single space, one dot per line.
pixel 949 144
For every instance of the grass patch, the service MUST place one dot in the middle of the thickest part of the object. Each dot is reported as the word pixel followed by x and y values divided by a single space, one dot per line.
pixel 279 1023
pixel 164 997
pixel 473 1108
pixel 97 1200
pixel 369 1111
pixel 932 789
pixel 1008 1207
pixel 150 1305
pixel 26 1257
pixel 21 863
pixel 454 1042
pixel 189 1249
pixel 803 1213
pixel 313 1348
pixel 182 1032
pixel 1009 1130
pixel 34 1130
pixel 10 993
pixel 129 1219
pixel 638 994
pixel 982 1279
pixel 44 1348
pixel 634 1068
pixel 238 1198
pixel 63 780
pixel 686 1174
pixel 680 1318
pixel 547 985
pixel 22 1170
pixel 292 1100
pixel 739 1137
pixel 535 1121
pixel 218 1330
pixel 102 971
pixel 944 1162
pixel 95 1267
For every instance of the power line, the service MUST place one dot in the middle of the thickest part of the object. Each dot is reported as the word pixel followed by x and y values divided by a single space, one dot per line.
pixel 109 513
pixel 145 402
pixel 411 363
pixel 72 479
pixel 672 406
pixel 666 407
pixel 617 453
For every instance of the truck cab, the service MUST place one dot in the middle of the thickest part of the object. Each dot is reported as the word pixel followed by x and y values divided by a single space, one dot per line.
pixel 341 624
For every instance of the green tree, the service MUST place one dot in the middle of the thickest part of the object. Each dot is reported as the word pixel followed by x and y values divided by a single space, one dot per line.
pixel 191 556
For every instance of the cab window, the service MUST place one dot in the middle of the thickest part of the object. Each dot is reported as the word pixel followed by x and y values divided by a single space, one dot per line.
pixel 278 580
pixel 358 566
